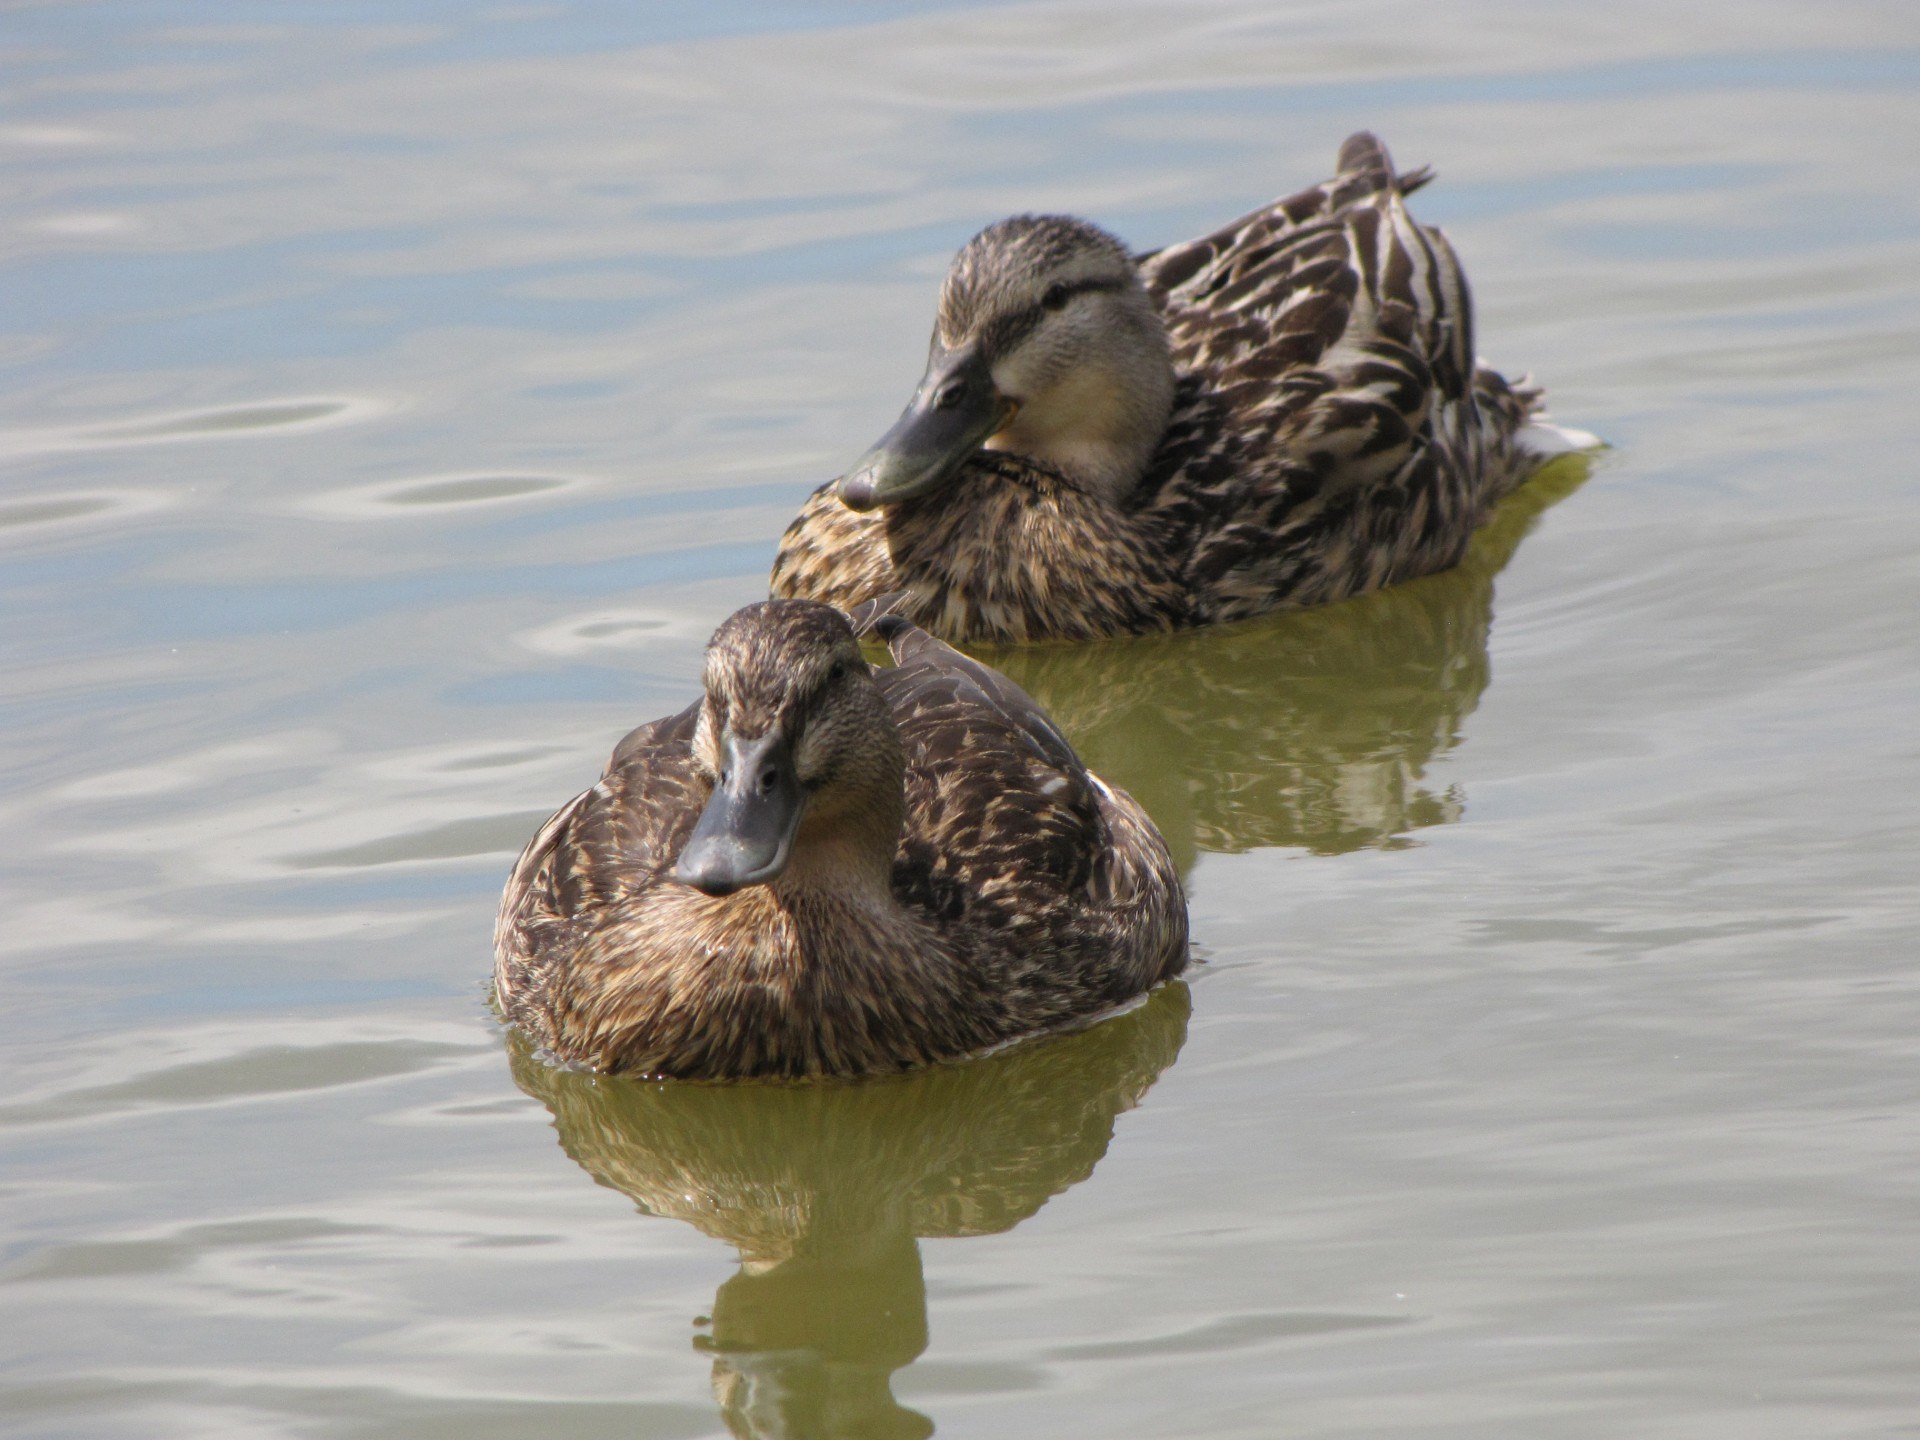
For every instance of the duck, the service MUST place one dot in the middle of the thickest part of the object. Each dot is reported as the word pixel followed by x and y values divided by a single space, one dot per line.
pixel 826 867
pixel 1283 413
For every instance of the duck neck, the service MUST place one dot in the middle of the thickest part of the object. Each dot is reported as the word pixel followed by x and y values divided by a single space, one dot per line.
pixel 1018 555
pixel 1100 422
pixel 839 871
pixel 844 850
pixel 1106 463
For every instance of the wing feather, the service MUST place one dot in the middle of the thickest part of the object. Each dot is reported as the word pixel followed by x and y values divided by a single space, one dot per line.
pixel 1000 809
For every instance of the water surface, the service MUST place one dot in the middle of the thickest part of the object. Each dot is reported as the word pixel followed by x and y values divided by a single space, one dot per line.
pixel 395 396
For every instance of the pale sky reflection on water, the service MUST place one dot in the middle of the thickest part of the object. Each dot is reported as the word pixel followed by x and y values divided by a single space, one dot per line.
pixel 395 396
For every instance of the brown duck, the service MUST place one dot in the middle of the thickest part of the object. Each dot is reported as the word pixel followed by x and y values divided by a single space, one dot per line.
pixel 827 868
pixel 1283 413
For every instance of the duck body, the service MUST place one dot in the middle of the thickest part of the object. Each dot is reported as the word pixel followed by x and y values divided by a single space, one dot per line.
pixel 953 878
pixel 1324 430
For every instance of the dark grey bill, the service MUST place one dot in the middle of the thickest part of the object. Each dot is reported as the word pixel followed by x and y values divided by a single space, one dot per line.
pixel 743 836
pixel 955 408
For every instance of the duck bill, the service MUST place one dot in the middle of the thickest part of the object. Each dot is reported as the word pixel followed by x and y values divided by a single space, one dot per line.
pixel 955 409
pixel 745 834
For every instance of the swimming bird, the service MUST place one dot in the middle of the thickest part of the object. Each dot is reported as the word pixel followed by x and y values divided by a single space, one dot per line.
pixel 824 867
pixel 1283 413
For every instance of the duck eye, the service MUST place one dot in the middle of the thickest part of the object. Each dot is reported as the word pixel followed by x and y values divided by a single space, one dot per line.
pixel 1057 296
pixel 838 671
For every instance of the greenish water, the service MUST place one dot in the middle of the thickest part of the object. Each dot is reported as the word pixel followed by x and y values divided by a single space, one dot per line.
pixel 395 396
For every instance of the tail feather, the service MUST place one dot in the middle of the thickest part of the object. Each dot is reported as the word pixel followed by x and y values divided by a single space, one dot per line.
pixel 870 616
pixel 1411 181
pixel 1543 440
pixel 1363 154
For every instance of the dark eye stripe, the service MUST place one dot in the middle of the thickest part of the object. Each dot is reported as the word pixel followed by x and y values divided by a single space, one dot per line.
pixel 1072 288
pixel 1010 330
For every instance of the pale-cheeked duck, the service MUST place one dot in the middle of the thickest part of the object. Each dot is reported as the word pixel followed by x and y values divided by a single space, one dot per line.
pixel 1283 413
pixel 825 867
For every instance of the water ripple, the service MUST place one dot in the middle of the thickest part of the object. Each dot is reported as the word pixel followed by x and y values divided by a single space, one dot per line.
pixel 382 501
pixel 221 422
pixel 456 840
pixel 29 516
pixel 220 1066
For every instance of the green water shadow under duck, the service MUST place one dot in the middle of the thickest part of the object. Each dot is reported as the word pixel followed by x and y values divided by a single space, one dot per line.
pixel 1311 730
pixel 825 1190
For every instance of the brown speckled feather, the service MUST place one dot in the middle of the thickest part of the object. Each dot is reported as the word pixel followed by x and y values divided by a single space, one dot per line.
pixel 1332 433
pixel 1025 894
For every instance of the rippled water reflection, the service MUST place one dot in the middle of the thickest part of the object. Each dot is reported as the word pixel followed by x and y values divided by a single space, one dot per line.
pixel 826 1190
pixel 1312 730
pixel 395 398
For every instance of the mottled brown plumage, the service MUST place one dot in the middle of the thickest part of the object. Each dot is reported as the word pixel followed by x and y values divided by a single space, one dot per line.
pixel 957 878
pixel 1322 428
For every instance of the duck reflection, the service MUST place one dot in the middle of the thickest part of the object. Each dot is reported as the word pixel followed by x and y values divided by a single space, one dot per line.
pixel 1313 728
pixel 825 1189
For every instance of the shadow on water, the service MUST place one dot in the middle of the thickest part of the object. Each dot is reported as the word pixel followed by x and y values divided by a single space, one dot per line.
pixel 825 1190
pixel 1311 729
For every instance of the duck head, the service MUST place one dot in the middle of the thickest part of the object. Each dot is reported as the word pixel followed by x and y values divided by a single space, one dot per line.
pixel 802 753
pixel 1046 345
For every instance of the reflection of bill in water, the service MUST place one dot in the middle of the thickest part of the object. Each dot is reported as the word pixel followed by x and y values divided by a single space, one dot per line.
pixel 1312 728
pixel 825 1188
